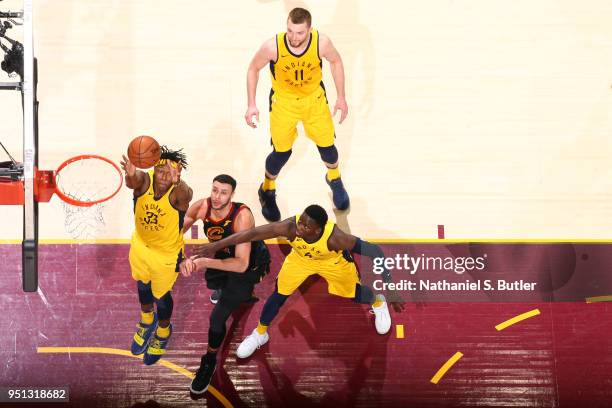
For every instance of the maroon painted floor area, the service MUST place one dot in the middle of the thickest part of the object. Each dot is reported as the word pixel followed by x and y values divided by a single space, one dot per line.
pixel 323 352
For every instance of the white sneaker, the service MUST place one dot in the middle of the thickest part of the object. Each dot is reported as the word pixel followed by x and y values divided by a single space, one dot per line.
pixel 383 318
pixel 252 343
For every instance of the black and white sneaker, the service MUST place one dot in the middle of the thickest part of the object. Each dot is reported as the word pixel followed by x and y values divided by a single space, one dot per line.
pixel 202 378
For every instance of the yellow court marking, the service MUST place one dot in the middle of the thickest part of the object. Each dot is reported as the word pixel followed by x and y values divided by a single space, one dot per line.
pixel 399 331
pixel 595 299
pixel 451 361
pixel 517 319
pixel 105 350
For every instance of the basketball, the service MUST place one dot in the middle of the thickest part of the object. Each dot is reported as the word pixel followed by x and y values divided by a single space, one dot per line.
pixel 144 152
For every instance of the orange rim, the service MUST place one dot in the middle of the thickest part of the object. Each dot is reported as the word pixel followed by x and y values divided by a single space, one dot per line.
pixel 79 203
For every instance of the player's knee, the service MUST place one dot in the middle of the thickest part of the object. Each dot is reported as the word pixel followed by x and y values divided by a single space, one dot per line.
pixel 145 295
pixel 329 154
pixel 165 304
pixel 276 160
pixel 363 294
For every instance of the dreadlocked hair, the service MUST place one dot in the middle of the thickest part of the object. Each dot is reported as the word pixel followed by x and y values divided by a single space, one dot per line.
pixel 174 155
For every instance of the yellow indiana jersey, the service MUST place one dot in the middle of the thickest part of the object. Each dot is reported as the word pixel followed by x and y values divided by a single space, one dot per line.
pixel 317 254
pixel 296 75
pixel 158 224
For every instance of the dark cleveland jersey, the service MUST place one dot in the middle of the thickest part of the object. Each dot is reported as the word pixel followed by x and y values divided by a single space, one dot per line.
pixel 259 258
pixel 219 229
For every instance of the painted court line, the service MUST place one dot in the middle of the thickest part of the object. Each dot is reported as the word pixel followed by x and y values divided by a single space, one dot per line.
pixel 440 231
pixel 451 361
pixel 517 319
pixel 595 299
pixel 399 331
pixel 105 350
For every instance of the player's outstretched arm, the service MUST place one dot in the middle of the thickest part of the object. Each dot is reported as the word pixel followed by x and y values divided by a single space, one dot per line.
pixel 134 178
pixel 240 261
pixel 341 241
pixel 285 228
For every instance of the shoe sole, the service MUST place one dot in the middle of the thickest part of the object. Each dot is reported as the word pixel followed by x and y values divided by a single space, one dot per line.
pixel 206 388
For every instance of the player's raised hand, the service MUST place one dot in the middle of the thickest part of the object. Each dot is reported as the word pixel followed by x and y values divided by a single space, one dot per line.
pixel 127 166
pixel 252 115
pixel 342 107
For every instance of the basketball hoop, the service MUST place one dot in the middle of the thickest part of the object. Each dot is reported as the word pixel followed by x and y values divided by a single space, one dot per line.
pixel 84 183
pixel 84 180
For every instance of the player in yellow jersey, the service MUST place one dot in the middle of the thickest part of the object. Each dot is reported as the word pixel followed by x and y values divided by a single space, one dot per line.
pixel 298 95
pixel 319 247
pixel 161 199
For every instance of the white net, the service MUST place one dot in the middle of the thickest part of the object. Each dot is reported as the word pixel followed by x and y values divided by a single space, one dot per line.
pixel 84 222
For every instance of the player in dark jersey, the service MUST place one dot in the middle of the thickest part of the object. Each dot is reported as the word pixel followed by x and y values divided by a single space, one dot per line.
pixel 232 273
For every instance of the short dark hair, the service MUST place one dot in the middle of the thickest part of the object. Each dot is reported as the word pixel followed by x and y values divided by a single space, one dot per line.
pixel 317 213
pixel 299 15
pixel 176 156
pixel 226 179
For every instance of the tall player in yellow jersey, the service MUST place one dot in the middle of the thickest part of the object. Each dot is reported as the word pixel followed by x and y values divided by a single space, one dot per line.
pixel 161 199
pixel 296 60
pixel 319 248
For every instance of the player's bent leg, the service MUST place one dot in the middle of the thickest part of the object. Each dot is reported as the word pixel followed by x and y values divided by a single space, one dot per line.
pixel 260 335
pixel 148 319
pixel 329 155
pixel 159 343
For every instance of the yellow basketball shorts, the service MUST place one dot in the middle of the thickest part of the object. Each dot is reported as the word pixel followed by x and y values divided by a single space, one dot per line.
pixel 312 111
pixel 341 279
pixel 150 265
